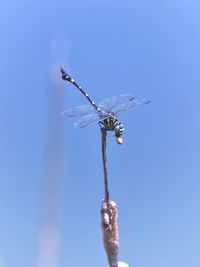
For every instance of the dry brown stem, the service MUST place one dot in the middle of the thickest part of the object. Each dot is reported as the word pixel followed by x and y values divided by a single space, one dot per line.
pixel 110 231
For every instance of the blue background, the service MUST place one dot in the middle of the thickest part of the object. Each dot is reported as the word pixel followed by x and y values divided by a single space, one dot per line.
pixel 51 178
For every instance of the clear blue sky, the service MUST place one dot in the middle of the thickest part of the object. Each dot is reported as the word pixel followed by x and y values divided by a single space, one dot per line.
pixel 148 48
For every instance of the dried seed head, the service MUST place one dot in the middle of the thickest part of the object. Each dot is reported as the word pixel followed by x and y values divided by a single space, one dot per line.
pixel 110 231
pixel 122 264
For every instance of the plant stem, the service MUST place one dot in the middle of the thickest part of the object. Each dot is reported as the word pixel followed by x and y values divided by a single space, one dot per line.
pixel 103 140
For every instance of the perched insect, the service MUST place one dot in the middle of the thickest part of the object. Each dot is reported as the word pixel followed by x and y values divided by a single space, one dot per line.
pixel 105 113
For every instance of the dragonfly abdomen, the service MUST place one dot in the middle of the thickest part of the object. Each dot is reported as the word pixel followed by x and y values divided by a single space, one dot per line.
pixel 68 78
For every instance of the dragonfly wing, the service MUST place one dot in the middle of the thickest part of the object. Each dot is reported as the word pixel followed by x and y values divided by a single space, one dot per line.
pixel 129 105
pixel 108 104
pixel 86 120
pixel 79 111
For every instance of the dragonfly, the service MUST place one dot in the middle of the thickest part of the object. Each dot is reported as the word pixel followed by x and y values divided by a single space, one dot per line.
pixel 106 113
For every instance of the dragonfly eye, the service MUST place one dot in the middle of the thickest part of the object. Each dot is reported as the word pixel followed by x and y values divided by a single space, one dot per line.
pixel 118 133
pixel 118 130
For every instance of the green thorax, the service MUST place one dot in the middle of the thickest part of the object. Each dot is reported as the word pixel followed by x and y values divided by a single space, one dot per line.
pixel 109 123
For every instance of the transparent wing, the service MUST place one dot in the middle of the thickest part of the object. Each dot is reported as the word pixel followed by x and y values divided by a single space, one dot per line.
pixel 86 120
pixel 90 118
pixel 80 111
pixel 108 104
pixel 129 105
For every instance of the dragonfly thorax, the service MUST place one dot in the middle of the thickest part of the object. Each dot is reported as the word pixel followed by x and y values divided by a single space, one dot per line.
pixel 109 123
pixel 113 124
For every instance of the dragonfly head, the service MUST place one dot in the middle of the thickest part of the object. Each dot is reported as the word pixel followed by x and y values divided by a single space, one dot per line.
pixel 118 133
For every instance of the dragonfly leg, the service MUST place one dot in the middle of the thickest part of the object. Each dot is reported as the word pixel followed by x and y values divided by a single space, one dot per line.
pixel 101 124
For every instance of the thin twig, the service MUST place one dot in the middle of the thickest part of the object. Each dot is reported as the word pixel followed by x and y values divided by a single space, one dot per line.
pixel 109 214
pixel 103 140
